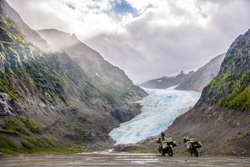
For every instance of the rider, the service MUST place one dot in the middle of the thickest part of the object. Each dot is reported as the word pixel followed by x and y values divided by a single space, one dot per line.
pixel 161 140
pixel 187 142
pixel 163 136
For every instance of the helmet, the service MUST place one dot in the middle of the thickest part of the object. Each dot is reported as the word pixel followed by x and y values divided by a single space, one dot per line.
pixel 185 139
pixel 162 134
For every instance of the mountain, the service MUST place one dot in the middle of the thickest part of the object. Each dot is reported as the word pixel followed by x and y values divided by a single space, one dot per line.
pixel 27 32
pixel 110 80
pixel 166 82
pixel 198 80
pixel 48 102
pixel 194 81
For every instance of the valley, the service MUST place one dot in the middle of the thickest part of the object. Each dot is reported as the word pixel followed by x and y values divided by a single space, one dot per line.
pixel 62 101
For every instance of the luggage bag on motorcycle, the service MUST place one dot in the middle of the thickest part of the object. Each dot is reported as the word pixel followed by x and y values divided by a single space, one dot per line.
pixel 172 142
pixel 196 143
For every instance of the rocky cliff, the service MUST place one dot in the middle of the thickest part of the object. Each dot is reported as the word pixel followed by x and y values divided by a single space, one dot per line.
pixel 48 101
pixel 198 80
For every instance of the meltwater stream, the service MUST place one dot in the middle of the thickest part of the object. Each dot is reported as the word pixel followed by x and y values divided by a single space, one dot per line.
pixel 159 109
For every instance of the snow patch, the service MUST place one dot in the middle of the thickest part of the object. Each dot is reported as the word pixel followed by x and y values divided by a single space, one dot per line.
pixel 172 88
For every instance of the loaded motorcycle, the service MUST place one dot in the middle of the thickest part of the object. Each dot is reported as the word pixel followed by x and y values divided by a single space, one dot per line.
pixel 165 146
pixel 192 145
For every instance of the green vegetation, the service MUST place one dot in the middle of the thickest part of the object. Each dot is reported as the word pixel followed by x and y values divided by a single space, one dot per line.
pixel 36 146
pixel 23 61
pixel 46 80
pixel 237 99
pixel 231 87
pixel 13 127
pixel 30 124
pixel 6 86
pixel 73 110
pixel 232 90
pixel 240 136
pixel 81 136
pixel 113 95
pixel 26 145
pixel 6 146
pixel 82 119
pixel 182 153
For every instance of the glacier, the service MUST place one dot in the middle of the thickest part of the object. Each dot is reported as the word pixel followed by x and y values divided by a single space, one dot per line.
pixel 159 109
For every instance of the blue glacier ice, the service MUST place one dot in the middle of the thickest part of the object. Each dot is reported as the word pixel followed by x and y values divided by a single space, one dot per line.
pixel 159 110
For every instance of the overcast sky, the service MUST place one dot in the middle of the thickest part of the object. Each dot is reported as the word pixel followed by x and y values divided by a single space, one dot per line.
pixel 145 38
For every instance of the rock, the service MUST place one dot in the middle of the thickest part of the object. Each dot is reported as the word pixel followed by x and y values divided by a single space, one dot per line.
pixel 5 109
pixel 126 112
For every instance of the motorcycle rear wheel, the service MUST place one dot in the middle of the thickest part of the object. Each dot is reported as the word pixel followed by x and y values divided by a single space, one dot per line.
pixel 170 152
pixel 196 152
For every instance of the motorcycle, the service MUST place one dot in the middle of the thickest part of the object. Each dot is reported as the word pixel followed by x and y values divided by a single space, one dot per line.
pixel 193 150
pixel 193 145
pixel 165 146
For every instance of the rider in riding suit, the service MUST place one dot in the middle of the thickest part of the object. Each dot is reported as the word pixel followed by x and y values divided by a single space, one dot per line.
pixel 187 142
pixel 161 140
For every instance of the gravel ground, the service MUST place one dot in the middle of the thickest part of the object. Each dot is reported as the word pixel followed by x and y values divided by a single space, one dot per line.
pixel 120 159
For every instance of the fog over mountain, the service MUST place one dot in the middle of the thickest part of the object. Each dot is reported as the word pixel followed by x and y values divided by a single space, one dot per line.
pixel 147 39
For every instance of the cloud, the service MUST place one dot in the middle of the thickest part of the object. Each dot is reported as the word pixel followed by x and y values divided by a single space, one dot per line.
pixel 148 38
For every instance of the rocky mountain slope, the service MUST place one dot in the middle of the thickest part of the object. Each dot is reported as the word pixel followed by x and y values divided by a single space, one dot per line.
pixel 221 118
pixel 48 101
pixel 199 79
pixel 110 80
pixel 28 33
pixel 166 82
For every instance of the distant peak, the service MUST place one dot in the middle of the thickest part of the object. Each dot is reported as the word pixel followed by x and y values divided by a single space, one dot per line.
pixel 73 36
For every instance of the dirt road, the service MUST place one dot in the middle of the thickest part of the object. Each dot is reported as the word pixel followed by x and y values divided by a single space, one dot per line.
pixel 121 160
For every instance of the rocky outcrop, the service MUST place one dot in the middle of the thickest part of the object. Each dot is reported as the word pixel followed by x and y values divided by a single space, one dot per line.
pixel 126 112
pixel 5 109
